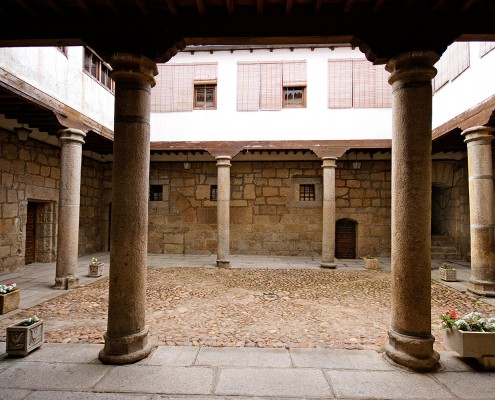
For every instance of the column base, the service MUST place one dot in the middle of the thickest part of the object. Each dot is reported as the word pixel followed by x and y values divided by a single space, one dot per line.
pixel 65 283
pixel 412 352
pixel 125 349
pixel 330 265
pixel 482 288
pixel 223 263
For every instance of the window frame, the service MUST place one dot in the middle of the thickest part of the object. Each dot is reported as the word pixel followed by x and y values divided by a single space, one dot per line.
pixel 152 193
pixel 303 102
pixel 213 193
pixel 204 85
pixel 101 69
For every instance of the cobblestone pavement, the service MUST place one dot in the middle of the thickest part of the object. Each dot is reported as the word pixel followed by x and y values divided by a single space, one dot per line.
pixel 249 308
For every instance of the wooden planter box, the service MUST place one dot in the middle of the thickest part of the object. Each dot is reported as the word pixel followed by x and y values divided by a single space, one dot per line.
pixel 23 339
pixel 9 301
pixel 95 270
pixel 448 275
pixel 480 345
pixel 371 263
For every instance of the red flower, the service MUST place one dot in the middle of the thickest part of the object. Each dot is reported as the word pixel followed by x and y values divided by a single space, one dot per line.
pixel 453 314
pixel 10 283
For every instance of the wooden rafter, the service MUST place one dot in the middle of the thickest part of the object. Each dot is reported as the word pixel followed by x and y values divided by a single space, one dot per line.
pixel 142 7
pixel 171 7
pixel 348 5
pixel 409 4
pixel 26 7
pixel 467 5
pixel 54 6
pixel 230 6
pixel 83 6
pixel 288 6
pixel 112 6
pixel 201 7
pixel 438 5
pixel 318 6
pixel 378 5
pixel 259 6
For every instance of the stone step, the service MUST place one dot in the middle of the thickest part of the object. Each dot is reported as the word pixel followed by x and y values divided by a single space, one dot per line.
pixel 446 256
pixel 443 249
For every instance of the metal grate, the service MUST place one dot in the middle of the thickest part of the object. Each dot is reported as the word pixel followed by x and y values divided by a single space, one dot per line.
pixel 156 193
pixel 213 192
pixel 307 192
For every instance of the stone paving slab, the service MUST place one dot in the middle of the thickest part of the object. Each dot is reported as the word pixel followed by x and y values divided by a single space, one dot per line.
pixel 176 356
pixel 244 357
pixel 52 376
pixel 66 353
pixel 477 385
pixel 386 385
pixel 13 394
pixel 273 382
pixel 42 395
pixel 158 379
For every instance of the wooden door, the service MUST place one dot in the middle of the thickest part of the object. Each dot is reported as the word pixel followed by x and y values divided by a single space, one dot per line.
pixel 345 239
pixel 30 252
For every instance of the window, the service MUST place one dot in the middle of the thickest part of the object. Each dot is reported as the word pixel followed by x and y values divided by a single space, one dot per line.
pixel 452 63
pixel 294 96
pixel 307 192
pixel 97 68
pixel 271 85
pixel 213 192
pixel 204 96
pixel 486 47
pixel 184 87
pixel 156 193
pixel 358 84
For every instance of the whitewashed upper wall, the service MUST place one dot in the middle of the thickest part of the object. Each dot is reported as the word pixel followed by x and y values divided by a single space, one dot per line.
pixel 474 85
pixel 61 77
pixel 315 122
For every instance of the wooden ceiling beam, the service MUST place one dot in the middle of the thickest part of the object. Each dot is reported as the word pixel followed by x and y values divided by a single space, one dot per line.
pixel 230 7
pixel 55 7
pixel 438 5
pixel 27 8
pixel 318 6
pixel 83 6
pixel 142 7
pixel 171 7
pixel 409 5
pixel 348 6
pixel 201 7
pixel 467 5
pixel 288 6
pixel 378 5
pixel 259 6
pixel 111 5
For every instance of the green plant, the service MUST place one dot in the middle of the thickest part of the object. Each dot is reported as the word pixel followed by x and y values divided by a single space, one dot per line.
pixel 473 322
pixel 29 321
pixel 368 257
pixel 446 265
pixel 9 287
pixel 94 260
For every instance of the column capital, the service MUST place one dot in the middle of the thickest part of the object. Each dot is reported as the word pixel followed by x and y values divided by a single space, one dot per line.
pixel 412 66
pixel 223 161
pixel 478 133
pixel 133 66
pixel 329 162
pixel 71 135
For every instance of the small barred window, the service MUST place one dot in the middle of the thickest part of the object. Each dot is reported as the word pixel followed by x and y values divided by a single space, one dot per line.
pixel 307 192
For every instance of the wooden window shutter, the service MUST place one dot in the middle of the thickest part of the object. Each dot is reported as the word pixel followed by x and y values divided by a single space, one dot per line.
pixel 183 87
pixel 294 73
pixel 383 88
pixel 363 84
pixel 442 76
pixel 458 54
pixel 161 93
pixel 340 83
pixel 248 86
pixel 486 47
pixel 271 86
pixel 205 72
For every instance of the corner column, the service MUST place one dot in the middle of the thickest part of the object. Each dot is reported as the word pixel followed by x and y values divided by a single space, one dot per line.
pixel 482 280
pixel 223 211
pixel 328 235
pixel 68 208
pixel 410 342
pixel 126 339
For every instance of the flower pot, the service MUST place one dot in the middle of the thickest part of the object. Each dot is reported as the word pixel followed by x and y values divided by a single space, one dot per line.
pixel 95 269
pixel 371 263
pixel 9 301
pixel 23 339
pixel 448 275
pixel 480 345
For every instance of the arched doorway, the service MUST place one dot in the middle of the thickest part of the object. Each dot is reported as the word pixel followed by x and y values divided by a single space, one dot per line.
pixel 345 238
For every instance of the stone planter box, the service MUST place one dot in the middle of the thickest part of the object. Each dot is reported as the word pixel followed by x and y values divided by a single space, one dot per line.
pixel 23 339
pixel 95 269
pixel 479 345
pixel 9 301
pixel 448 275
pixel 371 263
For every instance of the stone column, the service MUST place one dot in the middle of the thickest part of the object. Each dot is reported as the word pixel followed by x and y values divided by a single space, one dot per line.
pixel 223 211
pixel 68 208
pixel 126 339
pixel 410 340
pixel 482 280
pixel 328 236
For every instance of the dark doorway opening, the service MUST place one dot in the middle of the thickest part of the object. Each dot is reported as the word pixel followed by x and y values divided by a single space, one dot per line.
pixel 439 200
pixel 30 248
pixel 345 238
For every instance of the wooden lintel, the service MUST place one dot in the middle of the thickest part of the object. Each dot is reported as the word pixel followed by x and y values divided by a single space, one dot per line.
pixel 201 7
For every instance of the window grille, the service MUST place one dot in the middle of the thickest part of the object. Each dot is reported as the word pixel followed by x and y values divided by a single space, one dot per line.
pixel 307 192
pixel 213 192
pixel 97 68
pixel 156 193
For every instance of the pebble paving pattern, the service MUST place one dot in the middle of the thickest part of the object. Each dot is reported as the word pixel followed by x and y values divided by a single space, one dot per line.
pixel 249 308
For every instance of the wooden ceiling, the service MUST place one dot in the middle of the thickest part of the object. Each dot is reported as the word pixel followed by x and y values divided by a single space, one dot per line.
pixel 152 27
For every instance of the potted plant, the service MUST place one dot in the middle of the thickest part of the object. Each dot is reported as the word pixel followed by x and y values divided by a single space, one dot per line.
pixel 9 297
pixel 25 336
pixel 95 269
pixel 447 272
pixel 471 336
pixel 371 262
